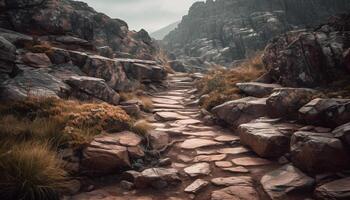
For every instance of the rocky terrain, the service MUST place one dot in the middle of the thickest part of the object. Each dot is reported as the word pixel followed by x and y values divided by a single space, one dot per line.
pixel 88 110
pixel 225 32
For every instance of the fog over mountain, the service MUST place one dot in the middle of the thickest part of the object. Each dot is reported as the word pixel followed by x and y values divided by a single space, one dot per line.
pixel 150 15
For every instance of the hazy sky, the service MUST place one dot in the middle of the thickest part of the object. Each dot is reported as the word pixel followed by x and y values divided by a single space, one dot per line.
pixel 148 14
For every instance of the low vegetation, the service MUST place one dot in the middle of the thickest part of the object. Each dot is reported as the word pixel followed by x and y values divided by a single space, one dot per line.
pixel 220 84
pixel 33 130
pixel 145 101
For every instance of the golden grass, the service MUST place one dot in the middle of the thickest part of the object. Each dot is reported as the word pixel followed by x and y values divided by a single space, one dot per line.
pixel 146 101
pixel 220 84
pixel 141 127
pixel 30 171
pixel 163 58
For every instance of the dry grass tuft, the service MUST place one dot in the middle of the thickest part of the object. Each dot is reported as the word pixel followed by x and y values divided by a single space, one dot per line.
pixel 30 171
pixel 147 103
pixel 220 84
pixel 141 127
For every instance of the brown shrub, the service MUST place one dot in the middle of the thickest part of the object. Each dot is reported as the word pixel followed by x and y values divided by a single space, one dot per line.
pixel 220 84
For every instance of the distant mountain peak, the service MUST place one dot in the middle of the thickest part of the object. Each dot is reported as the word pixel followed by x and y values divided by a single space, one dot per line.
pixel 161 33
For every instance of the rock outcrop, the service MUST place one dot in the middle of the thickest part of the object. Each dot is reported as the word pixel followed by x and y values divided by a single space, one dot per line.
pixel 224 31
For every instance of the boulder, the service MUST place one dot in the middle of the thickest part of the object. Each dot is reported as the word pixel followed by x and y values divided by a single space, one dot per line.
pixel 270 140
pixel 241 111
pixel 158 139
pixel 286 180
pixel 337 190
pixel 17 39
pixel 326 112
pixel 87 88
pixel 157 178
pixel 144 72
pixel 306 148
pixel 58 56
pixel 37 60
pixel 343 133
pixel 256 89
pixel 33 82
pixel 7 57
pixel 105 155
pixel 285 102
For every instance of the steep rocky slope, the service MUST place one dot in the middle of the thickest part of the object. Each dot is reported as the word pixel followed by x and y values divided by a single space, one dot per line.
pixel 161 33
pixel 65 48
pixel 224 31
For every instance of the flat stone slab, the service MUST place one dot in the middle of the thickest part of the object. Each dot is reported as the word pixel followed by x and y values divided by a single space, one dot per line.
pixel 184 158
pixel 249 161
pixel 172 131
pixel 171 97
pixel 223 164
pixel 209 158
pixel 198 169
pixel 235 193
pixel 196 186
pixel 178 165
pixel 185 122
pixel 158 105
pixel 338 189
pixel 227 138
pixel 201 128
pixel 239 169
pixel 206 152
pixel 201 133
pixel 165 101
pixel 169 116
pixel 233 181
pixel 197 143
pixel 236 150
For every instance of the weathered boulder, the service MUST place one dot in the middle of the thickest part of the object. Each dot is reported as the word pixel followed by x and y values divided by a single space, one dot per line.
pixel 33 82
pixel 37 60
pixel 285 102
pixel 241 111
pixel 310 58
pixel 233 181
pixel 58 56
pixel 144 72
pixel 318 152
pixel 326 112
pixel 157 178
pixel 286 180
pixel 7 57
pixel 337 190
pixel 198 169
pixel 255 89
pixel 16 38
pixel 87 88
pixel 235 193
pixel 158 139
pixel 343 133
pixel 105 155
pixel 267 139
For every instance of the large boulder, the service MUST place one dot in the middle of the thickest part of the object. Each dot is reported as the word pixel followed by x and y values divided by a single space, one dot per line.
pixel 256 89
pixel 286 180
pixel 89 88
pixel 144 71
pixel 285 102
pixel 241 111
pixel 105 155
pixel 37 60
pixel 326 112
pixel 33 82
pixel 318 152
pixel 310 58
pixel 343 133
pixel 267 139
pixel 337 190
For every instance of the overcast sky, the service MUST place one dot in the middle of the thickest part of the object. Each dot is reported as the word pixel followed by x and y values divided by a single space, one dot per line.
pixel 148 14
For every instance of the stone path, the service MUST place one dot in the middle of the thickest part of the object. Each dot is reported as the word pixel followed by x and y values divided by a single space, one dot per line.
pixel 211 161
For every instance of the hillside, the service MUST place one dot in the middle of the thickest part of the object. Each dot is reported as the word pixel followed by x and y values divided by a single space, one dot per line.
pixel 161 33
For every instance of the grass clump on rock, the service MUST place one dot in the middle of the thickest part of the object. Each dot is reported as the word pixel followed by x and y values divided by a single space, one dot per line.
pixel 220 84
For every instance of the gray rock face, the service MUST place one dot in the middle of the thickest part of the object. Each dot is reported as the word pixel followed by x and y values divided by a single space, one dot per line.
pixel 267 139
pixel 255 89
pixel 343 133
pixel 50 17
pixel 226 30
pixel 338 189
pixel 285 102
pixel 33 82
pixel 326 112
pixel 310 58
pixel 318 152
pixel 241 111
pixel 7 57
pixel 87 88
pixel 285 180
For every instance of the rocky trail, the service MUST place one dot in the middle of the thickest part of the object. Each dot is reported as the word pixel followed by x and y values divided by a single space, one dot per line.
pixel 200 162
